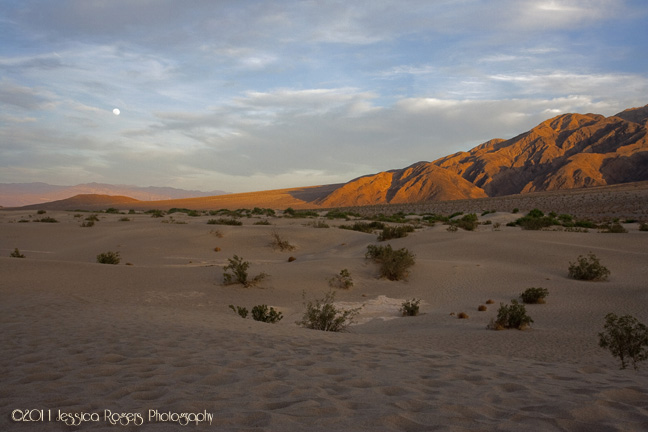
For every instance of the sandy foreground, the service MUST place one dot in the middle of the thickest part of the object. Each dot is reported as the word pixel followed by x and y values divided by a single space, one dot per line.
pixel 82 337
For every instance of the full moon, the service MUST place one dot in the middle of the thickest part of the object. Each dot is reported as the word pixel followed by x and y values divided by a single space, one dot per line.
pixel 116 111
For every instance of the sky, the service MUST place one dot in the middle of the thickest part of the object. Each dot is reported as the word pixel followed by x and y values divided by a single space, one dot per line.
pixel 249 95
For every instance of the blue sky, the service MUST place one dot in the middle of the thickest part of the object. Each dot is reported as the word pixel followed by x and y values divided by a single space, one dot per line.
pixel 255 95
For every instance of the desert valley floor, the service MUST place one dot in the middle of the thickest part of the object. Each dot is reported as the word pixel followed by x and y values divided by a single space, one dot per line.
pixel 155 332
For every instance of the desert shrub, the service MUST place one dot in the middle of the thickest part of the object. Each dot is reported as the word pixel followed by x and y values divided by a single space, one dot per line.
pixel 626 338
pixel 455 214
pixel 132 211
pixel 263 222
pixel 224 221
pixel 112 210
pixel 482 308
pixel 240 310
pixel 92 218
pixel 511 316
pixel 489 301
pixel 589 269
pixel 108 258
pixel 365 227
pixel 342 280
pixel 292 213
pixel 339 214
pixel 124 219
pixel 263 211
pixel 276 242
pixel 87 224
pixel 615 228
pixel 46 219
pixel 583 223
pixel 497 226
pixel 263 314
pixel 462 315
pixel 391 232
pixel 188 212
pixel 41 212
pixel 516 210
pixel 237 272
pixel 398 217
pixel 394 264
pixel 452 228
pixel 468 222
pixel 643 226
pixel 16 254
pixel 410 307
pixel 155 213
pixel 323 315
pixel 534 295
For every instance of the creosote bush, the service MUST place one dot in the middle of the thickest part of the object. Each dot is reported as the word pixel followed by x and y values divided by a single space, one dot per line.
pixel 323 315
pixel 626 338
pixel 410 307
pixel 277 242
pixel 236 272
pixel 259 313
pixel 108 258
pixel 534 295
pixel 391 232
pixel 511 316
pixel 394 264
pixel 342 280
pixel 588 269
pixel 16 254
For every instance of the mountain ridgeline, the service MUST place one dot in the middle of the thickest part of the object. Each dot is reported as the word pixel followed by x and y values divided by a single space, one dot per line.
pixel 566 152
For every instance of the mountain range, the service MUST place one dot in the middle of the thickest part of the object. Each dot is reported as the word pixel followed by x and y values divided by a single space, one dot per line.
pixel 569 151
pixel 22 194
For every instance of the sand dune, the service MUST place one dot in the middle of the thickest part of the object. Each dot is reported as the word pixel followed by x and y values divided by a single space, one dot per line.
pixel 78 336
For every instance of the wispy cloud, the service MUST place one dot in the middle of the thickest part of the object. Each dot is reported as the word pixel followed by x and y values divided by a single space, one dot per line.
pixel 234 95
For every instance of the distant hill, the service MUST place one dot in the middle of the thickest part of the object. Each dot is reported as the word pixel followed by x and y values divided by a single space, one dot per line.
pixel 22 194
pixel 566 152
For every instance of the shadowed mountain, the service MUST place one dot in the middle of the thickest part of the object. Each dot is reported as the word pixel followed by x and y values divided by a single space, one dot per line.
pixel 565 152
pixel 22 194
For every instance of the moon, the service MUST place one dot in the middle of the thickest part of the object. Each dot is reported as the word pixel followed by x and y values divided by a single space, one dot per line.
pixel 116 111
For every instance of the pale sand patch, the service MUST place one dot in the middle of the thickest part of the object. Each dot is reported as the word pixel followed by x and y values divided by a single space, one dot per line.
pixel 84 337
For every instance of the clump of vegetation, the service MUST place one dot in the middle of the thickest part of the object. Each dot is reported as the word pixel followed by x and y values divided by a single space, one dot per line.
pixel 391 232
pixel 589 269
pixel 16 254
pixel 292 213
pixel 615 228
pixel 237 272
pixel 323 315
pixel 124 219
pixel 87 224
pixel 263 222
pixel 41 212
pixel 489 301
pixel 482 308
pixel 240 310
pixel 365 227
pixel 452 228
pixel 92 218
pixel 155 213
pixel 536 220
pixel 643 226
pixel 279 243
pixel 259 313
pixel 410 307
pixel 342 280
pixel 468 222
pixel 511 316
pixel 112 210
pixel 394 264
pixel 263 211
pixel 626 338
pixel 398 217
pixel 534 295
pixel 188 212
pixel 224 221
pixel 46 219
pixel 108 258
pixel 462 315
pixel 264 314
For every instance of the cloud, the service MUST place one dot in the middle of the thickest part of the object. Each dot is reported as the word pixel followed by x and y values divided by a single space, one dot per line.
pixel 23 97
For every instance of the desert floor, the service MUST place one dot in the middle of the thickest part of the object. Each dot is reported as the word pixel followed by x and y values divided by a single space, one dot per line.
pixel 157 334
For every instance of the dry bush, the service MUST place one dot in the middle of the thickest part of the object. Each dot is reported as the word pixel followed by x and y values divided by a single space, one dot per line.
pixel 482 308
pixel 588 269
pixel 277 242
